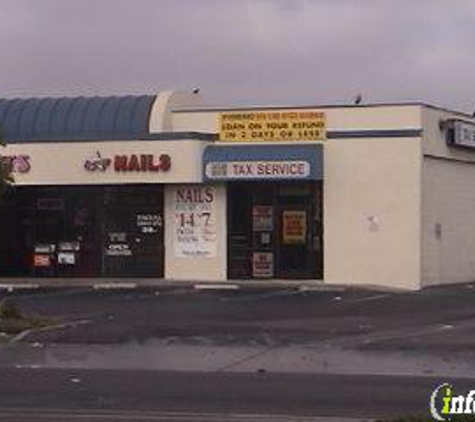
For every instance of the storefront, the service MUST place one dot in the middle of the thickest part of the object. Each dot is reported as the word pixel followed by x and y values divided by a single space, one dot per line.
pixel 90 184
pixel 274 209
pixel 83 231
pixel 159 187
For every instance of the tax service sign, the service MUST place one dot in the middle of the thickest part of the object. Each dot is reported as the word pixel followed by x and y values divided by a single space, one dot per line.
pixel 271 125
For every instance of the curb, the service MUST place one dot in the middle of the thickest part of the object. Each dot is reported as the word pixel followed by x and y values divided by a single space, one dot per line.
pixel 19 286
pixel 21 336
pixel 98 284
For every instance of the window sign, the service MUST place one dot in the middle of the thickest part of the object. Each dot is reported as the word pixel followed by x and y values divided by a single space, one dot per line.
pixel 195 221
pixel 40 260
pixel 118 249
pixel 149 223
pixel 294 226
pixel 262 264
pixel 66 258
pixel 118 245
pixel 262 218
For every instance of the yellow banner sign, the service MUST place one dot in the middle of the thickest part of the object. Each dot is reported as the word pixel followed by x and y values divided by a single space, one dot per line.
pixel 283 125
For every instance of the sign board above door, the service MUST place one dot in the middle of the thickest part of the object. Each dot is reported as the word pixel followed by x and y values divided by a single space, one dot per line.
pixel 263 162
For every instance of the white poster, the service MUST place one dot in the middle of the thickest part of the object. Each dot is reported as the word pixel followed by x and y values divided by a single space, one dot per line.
pixel 195 221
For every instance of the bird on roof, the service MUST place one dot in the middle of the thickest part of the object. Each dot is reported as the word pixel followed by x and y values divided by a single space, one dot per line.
pixel 196 90
pixel 358 99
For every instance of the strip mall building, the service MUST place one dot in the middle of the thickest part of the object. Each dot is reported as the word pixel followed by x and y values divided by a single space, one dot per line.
pixel 161 187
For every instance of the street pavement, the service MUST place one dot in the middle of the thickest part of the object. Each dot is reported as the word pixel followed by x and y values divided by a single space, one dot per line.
pixel 256 354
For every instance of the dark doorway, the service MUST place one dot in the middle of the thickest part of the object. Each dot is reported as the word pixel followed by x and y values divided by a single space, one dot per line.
pixel 275 230
pixel 133 231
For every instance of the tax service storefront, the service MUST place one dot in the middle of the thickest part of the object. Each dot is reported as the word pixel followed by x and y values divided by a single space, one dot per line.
pixel 324 194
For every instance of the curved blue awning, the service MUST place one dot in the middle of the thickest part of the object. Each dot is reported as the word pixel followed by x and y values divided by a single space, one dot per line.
pixel 80 118
pixel 263 162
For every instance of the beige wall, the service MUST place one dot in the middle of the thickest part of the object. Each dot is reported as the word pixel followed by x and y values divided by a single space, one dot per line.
pixel 62 163
pixel 448 222
pixel 372 212
pixel 448 205
pixel 165 103
pixel 196 268
pixel 344 118
pixel 371 195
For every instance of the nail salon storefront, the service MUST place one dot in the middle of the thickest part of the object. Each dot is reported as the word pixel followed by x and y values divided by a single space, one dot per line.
pixel 90 187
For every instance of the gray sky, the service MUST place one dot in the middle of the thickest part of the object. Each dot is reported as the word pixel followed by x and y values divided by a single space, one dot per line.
pixel 242 51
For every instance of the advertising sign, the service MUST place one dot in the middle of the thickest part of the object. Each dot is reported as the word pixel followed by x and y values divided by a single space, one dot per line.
pixel 294 226
pixel 195 221
pixel 128 163
pixel 262 264
pixel 17 163
pixel 463 134
pixel 271 125
pixel 262 218
pixel 257 170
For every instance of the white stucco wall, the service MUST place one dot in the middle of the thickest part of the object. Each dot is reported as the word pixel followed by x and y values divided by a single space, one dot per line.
pixel 448 205
pixel 337 118
pixel 372 212
pixel 165 103
pixel 448 222
pixel 196 268
pixel 371 194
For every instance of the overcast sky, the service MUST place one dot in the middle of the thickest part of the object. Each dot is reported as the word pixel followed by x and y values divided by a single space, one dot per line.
pixel 242 51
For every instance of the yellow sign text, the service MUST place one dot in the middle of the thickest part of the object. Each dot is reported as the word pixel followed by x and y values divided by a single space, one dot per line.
pixel 284 125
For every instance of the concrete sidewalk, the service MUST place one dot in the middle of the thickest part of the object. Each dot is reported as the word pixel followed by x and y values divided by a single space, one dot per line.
pixel 17 283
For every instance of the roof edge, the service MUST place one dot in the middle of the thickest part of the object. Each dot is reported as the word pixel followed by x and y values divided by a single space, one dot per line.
pixel 323 106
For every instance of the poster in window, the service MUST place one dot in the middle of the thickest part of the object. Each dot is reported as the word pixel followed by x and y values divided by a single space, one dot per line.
pixel 40 260
pixel 195 221
pixel 262 264
pixel 149 223
pixel 294 227
pixel 262 218
pixel 66 258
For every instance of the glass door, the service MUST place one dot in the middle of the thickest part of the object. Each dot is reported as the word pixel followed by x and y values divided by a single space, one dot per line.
pixel 299 228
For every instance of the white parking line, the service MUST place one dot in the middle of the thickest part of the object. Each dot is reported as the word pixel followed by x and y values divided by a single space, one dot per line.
pixel 19 286
pixel 110 286
pixel 209 286
pixel 72 415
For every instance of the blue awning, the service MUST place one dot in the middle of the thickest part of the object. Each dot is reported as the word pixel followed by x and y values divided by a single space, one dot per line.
pixel 71 119
pixel 263 162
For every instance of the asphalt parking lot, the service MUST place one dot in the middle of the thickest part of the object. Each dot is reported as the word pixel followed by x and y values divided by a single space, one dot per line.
pixel 345 353
pixel 438 318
